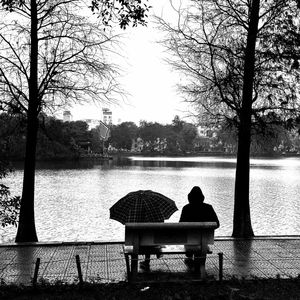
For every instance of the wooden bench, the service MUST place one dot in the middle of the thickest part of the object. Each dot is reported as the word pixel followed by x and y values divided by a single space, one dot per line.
pixel 174 238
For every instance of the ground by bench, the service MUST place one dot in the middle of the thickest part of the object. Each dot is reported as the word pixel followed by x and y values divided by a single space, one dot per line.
pixel 171 238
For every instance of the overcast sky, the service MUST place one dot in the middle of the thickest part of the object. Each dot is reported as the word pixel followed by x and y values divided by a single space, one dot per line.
pixel 150 82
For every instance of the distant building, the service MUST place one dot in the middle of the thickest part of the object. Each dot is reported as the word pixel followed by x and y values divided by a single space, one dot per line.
pixel 67 116
pixel 92 123
pixel 107 116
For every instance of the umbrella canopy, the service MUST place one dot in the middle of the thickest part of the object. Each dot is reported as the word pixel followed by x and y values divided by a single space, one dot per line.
pixel 143 206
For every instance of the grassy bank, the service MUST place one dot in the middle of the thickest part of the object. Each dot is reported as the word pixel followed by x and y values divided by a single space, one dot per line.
pixel 227 290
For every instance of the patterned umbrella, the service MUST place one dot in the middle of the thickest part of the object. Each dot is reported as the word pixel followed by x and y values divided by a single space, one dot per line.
pixel 143 206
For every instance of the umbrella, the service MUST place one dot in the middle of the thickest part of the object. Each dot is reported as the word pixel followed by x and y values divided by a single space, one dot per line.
pixel 143 206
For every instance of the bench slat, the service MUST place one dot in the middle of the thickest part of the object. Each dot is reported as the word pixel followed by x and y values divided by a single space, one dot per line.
pixel 154 234
pixel 168 249
pixel 173 226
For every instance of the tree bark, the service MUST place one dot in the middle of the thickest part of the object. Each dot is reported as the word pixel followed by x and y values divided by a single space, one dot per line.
pixel 26 228
pixel 241 219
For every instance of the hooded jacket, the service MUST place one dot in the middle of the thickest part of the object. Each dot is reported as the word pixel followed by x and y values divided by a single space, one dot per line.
pixel 196 210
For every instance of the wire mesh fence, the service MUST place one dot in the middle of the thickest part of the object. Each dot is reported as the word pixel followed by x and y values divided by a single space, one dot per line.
pixel 77 268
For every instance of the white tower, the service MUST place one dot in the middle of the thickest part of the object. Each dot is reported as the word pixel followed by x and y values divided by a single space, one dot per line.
pixel 67 116
pixel 107 116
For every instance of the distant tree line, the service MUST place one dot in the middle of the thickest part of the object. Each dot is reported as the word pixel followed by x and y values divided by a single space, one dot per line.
pixel 269 139
pixel 56 139
pixel 69 140
pixel 151 137
pixel 181 137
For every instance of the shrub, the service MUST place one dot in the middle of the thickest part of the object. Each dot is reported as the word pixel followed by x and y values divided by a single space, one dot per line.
pixel 9 206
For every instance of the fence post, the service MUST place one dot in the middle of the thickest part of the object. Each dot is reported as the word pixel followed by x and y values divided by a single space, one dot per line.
pixel 220 266
pixel 36 271
pixel 79 269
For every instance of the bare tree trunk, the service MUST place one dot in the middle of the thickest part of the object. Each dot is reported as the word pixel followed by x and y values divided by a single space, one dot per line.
pixel 241 220
pixel 26 229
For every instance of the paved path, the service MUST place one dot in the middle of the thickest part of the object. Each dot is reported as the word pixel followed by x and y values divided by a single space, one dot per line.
pixel 104 262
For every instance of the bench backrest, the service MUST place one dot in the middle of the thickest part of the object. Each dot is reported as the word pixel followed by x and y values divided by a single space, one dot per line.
pixel 183 233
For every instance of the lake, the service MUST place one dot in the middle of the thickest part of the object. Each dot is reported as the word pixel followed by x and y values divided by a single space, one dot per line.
pixel 73 198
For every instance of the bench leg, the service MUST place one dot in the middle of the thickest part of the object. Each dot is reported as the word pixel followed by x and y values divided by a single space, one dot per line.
pixel 199 261
pixel 147 258
pixel 134 267
pixel 127 266
pixel 220 266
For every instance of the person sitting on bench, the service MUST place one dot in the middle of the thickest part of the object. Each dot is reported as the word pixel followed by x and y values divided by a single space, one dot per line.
pixel 197 211
pixel 145 264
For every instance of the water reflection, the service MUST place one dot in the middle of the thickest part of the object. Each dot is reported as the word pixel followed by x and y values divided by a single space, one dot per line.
pixel 182 164
pixel 25 263
pixel 242 256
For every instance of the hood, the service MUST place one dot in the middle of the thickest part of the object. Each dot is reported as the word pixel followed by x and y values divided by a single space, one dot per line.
pixel 196 196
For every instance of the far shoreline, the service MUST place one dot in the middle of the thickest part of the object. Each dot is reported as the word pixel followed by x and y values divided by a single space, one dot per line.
pixel 200 154
pixel 126 154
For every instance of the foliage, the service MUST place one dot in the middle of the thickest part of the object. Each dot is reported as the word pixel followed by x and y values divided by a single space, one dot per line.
pixel 65 140
pixel 125 12
pixel 281 42
pixel 177 124
pixel 95 140
pixel 9 206
pixel 152 135
pixel 211 290
pixel 208 48
pixel 177 137
pixel 188 133
pixel 72 60
pixel 9 4
pixel 274 137
pixel 122 135
pixel 12 135
pixel 56 139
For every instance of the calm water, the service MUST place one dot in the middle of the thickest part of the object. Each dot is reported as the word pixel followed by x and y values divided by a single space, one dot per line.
pixel 73 199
